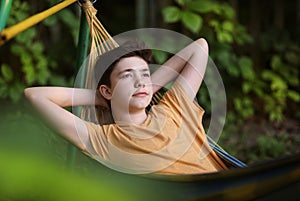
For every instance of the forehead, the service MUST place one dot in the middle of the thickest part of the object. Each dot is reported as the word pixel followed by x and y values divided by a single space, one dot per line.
pixel 134 63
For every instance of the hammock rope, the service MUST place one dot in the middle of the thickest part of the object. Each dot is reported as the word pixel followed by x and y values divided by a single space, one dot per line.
pixel 101 42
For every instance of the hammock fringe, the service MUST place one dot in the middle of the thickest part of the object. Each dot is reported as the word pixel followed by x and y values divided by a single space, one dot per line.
pixel 101 42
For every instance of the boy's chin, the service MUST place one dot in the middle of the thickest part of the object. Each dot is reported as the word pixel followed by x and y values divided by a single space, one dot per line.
pixel 139 106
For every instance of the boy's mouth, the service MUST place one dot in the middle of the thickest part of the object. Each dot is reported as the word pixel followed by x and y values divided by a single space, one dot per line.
pixel 140 94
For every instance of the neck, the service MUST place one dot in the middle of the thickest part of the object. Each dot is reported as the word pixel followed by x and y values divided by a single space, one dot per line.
pixel 136 117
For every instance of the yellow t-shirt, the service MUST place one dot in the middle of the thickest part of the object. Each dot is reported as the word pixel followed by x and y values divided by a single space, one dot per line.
pixel 171 140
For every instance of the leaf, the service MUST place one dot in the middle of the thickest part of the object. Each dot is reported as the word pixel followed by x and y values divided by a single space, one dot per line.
pixel 241 35
pixel 276 63
pixel 3 88
pixel 58 80
pixel 181 2
pixel 224 37
pixel 229 62
pixel 292 57
pixel 245 65
pixel 70 19
pixel 233 71
pixel 267 75
pixel 228 11
pixel 15 92
pixel 43 76
pixel 192 21
pixel 244 107
pixel 26 37
pixel 3 92
pixel 50 21
pixel 160 56
pixel 295 96
pixel 203 6
pixel 171 14
pixel 30 74
pixel 41 63
pixel 17 49
pixel 214 23
pixel 7 73
pixel 247 86
pixel 37 47
pixel 275 116
pixel 278 84
pixel 228 26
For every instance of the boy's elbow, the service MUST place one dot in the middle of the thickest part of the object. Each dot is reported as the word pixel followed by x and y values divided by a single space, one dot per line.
pixel 30 93
pixel 203 44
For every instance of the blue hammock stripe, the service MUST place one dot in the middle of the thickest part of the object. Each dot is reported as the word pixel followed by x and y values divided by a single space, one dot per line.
pixel 226 157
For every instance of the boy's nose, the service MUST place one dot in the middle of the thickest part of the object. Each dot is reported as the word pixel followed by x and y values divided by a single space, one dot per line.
pixel 140 83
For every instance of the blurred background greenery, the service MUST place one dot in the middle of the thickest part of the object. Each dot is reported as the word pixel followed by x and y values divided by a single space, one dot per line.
pixel 255 45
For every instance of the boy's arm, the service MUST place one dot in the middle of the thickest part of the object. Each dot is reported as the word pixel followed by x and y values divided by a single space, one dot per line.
pixel 49 101
pixel 190 63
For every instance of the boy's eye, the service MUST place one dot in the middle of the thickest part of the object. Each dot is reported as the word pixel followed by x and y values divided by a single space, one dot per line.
pixel 146 75
pixel 127 75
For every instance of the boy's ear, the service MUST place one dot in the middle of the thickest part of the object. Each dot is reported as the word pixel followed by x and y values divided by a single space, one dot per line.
pixel 105 91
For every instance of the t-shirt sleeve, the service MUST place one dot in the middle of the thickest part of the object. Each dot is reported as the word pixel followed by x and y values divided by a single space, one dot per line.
pixel 176 96
pixel 98 140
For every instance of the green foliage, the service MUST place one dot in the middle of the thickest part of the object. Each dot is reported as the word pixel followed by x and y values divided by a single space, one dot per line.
pixel 276 85
pixel 31 62
pixel 269 147
pixel 216 22
pixel 283 80
pixel 159 56
pixel 254 90
pixel 244 106
pixel 192 21
pixel 7 73
pixel 171 14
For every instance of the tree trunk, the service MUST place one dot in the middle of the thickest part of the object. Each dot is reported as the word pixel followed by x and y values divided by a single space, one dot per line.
pixel 153 13
pixel 279 14
pixel 235 6
pixel 140 12
pixel 255 29
pixel 298 18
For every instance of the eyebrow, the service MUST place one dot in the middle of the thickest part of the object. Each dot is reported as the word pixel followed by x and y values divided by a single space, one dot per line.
pixel 130 70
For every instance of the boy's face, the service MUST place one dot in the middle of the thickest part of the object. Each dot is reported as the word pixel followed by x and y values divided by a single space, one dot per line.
pixel 131 85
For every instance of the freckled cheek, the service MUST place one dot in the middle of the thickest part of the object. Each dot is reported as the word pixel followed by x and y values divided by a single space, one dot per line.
pixel 122 91
pixel 150 86
pixel 148 82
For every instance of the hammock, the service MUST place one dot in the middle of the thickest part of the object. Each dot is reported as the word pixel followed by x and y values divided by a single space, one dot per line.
pixel 277 179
